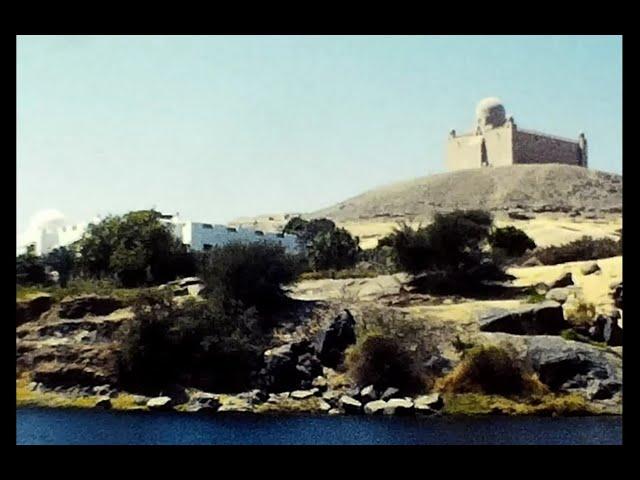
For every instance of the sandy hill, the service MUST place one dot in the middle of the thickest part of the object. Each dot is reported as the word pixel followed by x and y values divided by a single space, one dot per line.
pixel 537 188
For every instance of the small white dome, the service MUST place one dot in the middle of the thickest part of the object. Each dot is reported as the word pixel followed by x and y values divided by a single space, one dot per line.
pixel 490 113
pixel 48 219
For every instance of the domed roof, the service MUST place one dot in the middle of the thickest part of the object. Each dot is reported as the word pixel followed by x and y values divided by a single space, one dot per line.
pixel 490 113
pixel 48 219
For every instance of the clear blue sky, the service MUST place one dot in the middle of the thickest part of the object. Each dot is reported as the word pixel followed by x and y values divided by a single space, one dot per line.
pixel 221 127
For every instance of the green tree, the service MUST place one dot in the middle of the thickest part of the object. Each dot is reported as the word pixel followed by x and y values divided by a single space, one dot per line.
pixel 334 249
pixel 62 260
pixel 29 268
pixel 134 248
pixel 513 241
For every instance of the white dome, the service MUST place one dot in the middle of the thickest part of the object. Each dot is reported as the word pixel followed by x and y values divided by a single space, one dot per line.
pixel 48 219
pixel 490 113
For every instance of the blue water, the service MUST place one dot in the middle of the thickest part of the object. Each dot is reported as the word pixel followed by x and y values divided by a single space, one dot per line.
pixel 81 427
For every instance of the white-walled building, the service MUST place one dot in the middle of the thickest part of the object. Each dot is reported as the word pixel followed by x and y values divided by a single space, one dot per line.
pixel 197 236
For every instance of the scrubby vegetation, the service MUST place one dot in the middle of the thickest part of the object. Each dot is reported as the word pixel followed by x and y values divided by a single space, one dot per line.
pixel 581 314
pixel 253 274
pixel 214 344
pixel 452 254
pixel 328 247
pixel 391 352
pixel 492 370
pixel 585 248
pixel 511 240
pixel 201 344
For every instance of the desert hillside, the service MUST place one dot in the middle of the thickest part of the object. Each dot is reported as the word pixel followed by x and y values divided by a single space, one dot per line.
pixel 550 187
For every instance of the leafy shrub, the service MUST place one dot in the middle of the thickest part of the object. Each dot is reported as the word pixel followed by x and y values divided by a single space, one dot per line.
pixel 491 370
pixel 450 254
pixel 384 362
pixel 335 249
pixel 199 344
pixel 307 230
pixel 29 268
pixel 585 248
pixel 253 274
pixel 391 351
pixel 513 241
pixel 62 260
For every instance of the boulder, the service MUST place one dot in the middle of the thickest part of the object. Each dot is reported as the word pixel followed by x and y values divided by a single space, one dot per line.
pixel 389 393
pixel 83 305
pixel 590 268
pixel 202 402
pixel 516 215
pixel 376 407
pixel 545 318
pixel 428 403
pixel 603 389
pixel 302 394
pixel 532 262
pixel 335 411
pixel 103 402
pixel 320 383
pixel 186 282
pixel 160 403
pixel 324 406
pixel 350 404
pixel 340 335
pixel 606 329
pixel 292 366
pixel 398 406
pixel 367 394
pixel 564 280
pixel 559 295
pixel 616 293
pixel 31 308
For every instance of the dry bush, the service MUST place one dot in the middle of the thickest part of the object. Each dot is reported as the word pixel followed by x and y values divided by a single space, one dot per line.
pixel 580 315
pixel 492 370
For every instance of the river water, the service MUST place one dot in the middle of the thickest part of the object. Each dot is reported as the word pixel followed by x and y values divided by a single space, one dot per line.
pixel 81 427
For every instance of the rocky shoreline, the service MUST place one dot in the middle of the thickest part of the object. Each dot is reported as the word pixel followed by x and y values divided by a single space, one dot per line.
pixel 66 354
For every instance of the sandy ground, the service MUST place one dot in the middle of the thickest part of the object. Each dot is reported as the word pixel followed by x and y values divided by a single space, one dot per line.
pixel 545 230
pixel 463 313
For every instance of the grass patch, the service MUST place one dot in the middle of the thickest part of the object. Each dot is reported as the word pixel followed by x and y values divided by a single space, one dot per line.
pixel 479 404
pixel 339 274
pixel 82 287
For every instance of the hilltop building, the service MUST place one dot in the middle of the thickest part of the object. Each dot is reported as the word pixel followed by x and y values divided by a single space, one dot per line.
pixel 197 236
pixel 497 141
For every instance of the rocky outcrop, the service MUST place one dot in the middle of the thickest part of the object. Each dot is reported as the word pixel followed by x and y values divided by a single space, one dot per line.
pixel 57 375
pixel 428 404
pixel 590 268
pixel 565 365
pixel 559 295
pixel 350 404
pixel 340 335
pixel 398 406
pixel 292 366
pixel 160 403
pixel 84 305
pixel 545 318
pixel 606 329
pixel 31 308
pixel 375 407
pixel 564 280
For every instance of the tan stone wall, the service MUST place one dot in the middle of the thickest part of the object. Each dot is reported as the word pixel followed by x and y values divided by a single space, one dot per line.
pixel 539 148
pixel 499 146
pixel 463 152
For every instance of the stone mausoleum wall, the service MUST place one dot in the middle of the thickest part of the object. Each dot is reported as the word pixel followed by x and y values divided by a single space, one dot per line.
pixel 532 147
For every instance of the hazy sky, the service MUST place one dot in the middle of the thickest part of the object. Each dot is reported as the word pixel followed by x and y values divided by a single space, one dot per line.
pixel 221 127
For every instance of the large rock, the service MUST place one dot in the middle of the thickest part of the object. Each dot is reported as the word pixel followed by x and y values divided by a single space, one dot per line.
pixel 590 268
pixel 65 376
pixel 340 335
pixel 375 407
pixel 616 293
pixel 428 403
pixel 292 366
pixel 398 406
pixel 564 280
pixel 81 306
pixel 563 365
pixel 559 295
pixel 350 404
pixel 389 393
pixel 302 394
pixel 545 318
pixel 160 403
pixel 31 308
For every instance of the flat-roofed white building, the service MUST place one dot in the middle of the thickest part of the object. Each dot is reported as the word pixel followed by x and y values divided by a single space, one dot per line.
pixel 197 236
